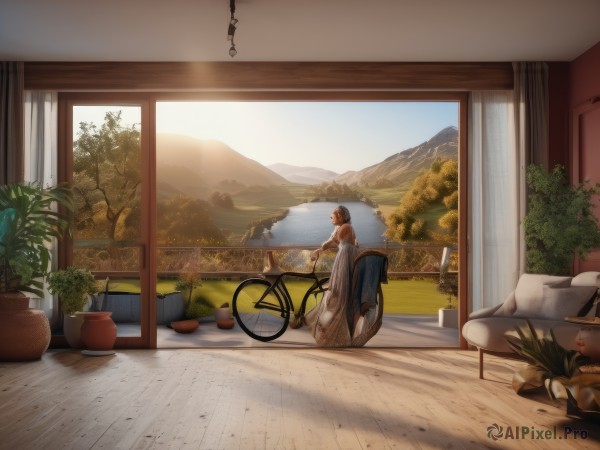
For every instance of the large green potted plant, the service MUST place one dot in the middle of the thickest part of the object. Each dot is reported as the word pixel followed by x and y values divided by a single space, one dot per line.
pixel 72 286
pixel 560 222
pixel 27 225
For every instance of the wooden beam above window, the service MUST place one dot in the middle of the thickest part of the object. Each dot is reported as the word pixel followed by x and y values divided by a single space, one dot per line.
pixel 197 76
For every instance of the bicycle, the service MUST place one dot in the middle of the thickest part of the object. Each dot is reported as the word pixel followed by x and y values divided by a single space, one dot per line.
pixel 262 305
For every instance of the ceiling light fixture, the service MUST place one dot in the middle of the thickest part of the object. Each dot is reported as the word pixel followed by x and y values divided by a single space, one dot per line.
pixel 231 29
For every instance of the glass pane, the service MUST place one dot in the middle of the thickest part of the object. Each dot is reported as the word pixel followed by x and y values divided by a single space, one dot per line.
pixel 238 179
pixel 107 190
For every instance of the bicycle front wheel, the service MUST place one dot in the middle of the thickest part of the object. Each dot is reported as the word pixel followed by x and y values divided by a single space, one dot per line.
pixel 263 315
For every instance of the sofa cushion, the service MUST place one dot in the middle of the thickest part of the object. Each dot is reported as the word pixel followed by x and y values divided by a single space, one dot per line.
pixel 570 301
pixel 508 307
pixel 488 333
pixel 586 279
pixel 529 293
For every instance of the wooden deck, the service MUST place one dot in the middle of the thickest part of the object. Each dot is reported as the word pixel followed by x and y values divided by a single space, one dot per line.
pixel 273 399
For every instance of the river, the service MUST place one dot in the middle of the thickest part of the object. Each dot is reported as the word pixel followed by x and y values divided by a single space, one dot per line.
pixel 308 224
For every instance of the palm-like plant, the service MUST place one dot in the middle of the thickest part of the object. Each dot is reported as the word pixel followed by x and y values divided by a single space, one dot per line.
pixel 27 224
pixel 549 360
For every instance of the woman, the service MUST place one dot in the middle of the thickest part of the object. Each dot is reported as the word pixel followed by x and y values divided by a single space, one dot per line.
pixel 331 323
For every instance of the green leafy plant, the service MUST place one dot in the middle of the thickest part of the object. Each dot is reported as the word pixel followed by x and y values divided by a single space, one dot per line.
pixel 199 307
pixel 448 284
pixel 560 223
pixel 72 286
pixel 187 282
pixel 550 360
pixel 27 225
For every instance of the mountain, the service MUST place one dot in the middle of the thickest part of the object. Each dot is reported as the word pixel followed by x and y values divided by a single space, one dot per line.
pixel 199 167
pixel 303 175
pixel 402 168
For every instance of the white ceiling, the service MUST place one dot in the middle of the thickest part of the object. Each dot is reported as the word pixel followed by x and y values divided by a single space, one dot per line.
pixel 298 30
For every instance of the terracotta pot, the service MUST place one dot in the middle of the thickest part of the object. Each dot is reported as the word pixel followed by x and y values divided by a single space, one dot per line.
pixel 222 314
pixel 226 324
pixel 185 326
pixel 72 329
pixel 98 331
pixel 24 332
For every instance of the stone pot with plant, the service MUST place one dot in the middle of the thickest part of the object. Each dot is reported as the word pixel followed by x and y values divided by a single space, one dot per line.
pixel 560 223
pixel 448 284
pixel 72 286
pixel 28 223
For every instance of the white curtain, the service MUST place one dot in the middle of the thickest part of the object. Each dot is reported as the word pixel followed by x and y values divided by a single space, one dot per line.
pixel 495 197
pixel 41 161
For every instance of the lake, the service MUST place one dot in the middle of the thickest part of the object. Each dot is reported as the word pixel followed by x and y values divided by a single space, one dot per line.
pixel 308 224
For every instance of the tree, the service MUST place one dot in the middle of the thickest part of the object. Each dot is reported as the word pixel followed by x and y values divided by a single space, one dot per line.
pixel 438 185
pixel 187 221
pixel 106 172
pixel 221 200
pixel 560 222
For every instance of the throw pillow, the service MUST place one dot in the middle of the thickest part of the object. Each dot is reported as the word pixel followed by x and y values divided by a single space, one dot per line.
pixel 559 303
pixel 529 294
pixel 586 279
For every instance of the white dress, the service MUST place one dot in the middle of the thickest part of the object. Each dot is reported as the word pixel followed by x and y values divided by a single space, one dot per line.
pixel 329 323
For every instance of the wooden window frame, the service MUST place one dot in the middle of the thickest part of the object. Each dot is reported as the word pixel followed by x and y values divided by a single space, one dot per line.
pixel 151 82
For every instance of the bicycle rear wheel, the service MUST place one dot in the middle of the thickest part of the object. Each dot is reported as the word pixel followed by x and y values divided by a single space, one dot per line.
pixel 263 316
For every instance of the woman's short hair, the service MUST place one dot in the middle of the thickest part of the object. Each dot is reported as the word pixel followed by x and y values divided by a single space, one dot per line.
pixel 344 212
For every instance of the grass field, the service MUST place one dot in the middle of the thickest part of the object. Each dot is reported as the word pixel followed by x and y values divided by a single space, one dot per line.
pixel 400 296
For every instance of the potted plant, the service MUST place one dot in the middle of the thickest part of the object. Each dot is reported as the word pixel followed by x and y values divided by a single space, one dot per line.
pixel 560 222
pixel 566 374
pixel 27 224
pixel 448 315
pixel 72 286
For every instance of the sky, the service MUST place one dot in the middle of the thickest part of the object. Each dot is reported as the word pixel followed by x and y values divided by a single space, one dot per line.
pixel 337 136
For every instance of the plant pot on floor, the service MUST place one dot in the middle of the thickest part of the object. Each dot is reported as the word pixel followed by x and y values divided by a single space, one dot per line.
pixel 98 332
pixel 24 332
pixel 72 329
pixel 448 317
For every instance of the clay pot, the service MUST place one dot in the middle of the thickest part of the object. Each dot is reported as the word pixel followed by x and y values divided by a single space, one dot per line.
pixel 185 326
pixel 226 324
pixel 222 314
pixel 24 332
pixel 98 331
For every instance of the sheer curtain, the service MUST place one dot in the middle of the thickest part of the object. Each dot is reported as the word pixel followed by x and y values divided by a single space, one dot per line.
pixel 508 130
pixel 41 161
pixel 495 197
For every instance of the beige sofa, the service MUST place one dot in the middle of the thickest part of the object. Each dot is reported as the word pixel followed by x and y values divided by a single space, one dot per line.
pixel 543 299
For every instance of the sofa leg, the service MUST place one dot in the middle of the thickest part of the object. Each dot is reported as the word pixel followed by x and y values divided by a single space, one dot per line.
pixel 481 364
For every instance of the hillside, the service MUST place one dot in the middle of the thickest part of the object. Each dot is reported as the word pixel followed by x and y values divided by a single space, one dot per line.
pixel 402 168
pixel 199 167
pixel 303 175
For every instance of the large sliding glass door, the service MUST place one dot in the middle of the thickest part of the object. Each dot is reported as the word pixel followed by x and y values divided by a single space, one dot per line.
pixel 109 167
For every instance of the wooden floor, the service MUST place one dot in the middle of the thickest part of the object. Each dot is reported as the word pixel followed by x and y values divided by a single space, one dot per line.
pixel 273 399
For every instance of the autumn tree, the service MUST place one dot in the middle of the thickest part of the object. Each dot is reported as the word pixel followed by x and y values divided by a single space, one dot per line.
pixel 438 185
pixel 106 179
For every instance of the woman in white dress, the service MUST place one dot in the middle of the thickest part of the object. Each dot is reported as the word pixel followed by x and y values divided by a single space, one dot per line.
pixel 333 321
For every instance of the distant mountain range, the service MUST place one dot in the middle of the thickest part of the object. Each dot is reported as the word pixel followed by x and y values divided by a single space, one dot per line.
pixel 199 167
pixel 402 168
pixel 303 175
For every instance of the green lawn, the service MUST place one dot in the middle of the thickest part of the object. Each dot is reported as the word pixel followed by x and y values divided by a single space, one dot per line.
pixel 400 296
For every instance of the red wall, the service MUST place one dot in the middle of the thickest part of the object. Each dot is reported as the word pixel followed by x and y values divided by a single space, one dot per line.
pixel 584 77
pixel 584 114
